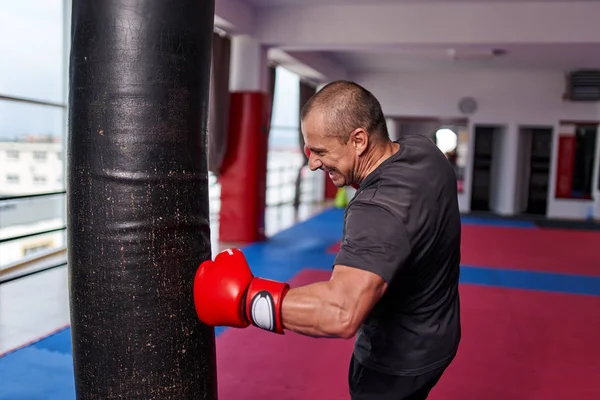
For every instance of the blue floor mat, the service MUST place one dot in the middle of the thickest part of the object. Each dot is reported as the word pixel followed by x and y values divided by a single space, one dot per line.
pixel 40 371
pixel 509 223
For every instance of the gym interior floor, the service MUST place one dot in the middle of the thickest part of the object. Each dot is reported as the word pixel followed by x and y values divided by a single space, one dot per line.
pixel 530 298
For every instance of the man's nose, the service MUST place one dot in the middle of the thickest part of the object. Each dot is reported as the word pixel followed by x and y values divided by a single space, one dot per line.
pixel 313 164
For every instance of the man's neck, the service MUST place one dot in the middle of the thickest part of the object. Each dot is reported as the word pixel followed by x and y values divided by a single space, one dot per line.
pixel 374 157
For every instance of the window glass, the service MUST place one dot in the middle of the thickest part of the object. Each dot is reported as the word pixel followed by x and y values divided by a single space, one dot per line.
pixel 31 148
pixel 286 99
pixel 285 178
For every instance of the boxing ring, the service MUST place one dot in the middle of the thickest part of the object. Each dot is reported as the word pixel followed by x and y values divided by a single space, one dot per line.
pixel 529 301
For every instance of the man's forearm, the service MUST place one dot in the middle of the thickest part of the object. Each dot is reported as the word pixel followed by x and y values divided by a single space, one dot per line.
pixel 315 310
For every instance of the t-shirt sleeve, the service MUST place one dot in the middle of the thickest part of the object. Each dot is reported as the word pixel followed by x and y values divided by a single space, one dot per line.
pixel 374 240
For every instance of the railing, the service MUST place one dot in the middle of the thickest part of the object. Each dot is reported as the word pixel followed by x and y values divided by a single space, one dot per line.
pixel 55 254
pixel 50 258
pixel 8 199
pixel 282 172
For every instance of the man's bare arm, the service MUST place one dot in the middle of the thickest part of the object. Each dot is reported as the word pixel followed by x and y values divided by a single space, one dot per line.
pixel 334 308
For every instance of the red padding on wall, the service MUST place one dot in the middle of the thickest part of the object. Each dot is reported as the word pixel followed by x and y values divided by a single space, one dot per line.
pixel 565 165
pixel 244 172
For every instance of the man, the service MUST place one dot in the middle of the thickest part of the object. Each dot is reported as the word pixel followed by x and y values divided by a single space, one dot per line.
pixel 394 283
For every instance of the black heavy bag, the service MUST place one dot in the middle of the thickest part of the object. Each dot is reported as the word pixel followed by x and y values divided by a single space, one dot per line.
pixel 138 213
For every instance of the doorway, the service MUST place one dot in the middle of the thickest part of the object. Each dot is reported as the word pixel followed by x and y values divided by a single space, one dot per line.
pixel 487 151
pixel 533 179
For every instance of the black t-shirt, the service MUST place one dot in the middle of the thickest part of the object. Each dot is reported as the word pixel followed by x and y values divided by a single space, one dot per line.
pixel 403 224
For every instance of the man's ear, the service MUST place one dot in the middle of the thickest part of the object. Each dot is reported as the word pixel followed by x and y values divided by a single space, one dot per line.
pixel 360 140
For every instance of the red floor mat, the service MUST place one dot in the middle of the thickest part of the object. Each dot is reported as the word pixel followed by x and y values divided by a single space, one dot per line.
pixel 525 345
pixel 253 364
pixel 516 345
pixel 549 250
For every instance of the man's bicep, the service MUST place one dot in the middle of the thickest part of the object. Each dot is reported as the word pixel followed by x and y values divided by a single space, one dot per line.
pixel 374 240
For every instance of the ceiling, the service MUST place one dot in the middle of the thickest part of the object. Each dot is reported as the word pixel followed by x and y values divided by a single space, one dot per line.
pixel 305 45
pixel 562 57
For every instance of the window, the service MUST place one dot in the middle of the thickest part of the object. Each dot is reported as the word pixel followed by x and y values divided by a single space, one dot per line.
pixel 40 180
pixel 285 121
pixel 285 157
pixel 32 131
pixel 40 155
pixel 12 178
pixel 32 127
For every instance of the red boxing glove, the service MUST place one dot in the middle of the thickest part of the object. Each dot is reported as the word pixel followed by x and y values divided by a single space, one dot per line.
pixel 219 290
pixel 227 294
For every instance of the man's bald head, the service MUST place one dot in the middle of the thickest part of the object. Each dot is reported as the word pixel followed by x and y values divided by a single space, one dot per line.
pixel 345 106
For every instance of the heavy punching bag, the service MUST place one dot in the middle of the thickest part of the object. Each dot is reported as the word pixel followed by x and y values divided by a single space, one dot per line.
pixel 138 211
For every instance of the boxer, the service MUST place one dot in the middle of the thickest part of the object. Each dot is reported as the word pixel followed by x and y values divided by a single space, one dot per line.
pixel 394 282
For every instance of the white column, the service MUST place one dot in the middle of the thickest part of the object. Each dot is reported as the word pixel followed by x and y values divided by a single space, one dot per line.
pixel 508 171
pixel 392 127
pixel 249 65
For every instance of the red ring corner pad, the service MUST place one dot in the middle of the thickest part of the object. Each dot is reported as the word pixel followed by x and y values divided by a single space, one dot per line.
pixel 244 171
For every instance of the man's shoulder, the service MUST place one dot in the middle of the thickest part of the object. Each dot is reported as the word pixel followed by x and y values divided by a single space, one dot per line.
pixel 369 211
pixel 370 198
pixel 367 203
pixel 386 191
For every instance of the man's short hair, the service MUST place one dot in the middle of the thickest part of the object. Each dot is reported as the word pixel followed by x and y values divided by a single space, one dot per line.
pixel 347 106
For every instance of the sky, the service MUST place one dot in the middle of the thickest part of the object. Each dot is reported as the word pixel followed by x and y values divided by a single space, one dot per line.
pixel 31 58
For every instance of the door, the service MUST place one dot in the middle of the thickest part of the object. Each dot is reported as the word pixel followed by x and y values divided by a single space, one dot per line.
pixel 541 145
pixel 482 168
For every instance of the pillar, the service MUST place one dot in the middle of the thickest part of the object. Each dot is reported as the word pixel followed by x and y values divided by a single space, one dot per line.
pixel 138 211
pixel 244 172
pixel 249 65
pixel 393 128
pixel 506 188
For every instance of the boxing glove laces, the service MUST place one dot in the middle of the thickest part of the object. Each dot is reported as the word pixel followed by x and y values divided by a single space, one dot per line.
pixel 226 293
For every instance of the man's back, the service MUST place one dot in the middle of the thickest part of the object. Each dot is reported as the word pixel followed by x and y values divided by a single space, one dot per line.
pixel 415 327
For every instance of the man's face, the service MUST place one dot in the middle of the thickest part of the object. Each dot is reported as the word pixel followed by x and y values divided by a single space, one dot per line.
pixel 328 153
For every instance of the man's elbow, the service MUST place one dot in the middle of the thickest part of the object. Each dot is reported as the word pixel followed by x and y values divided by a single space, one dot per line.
pixel 348 332
pixel 346 326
